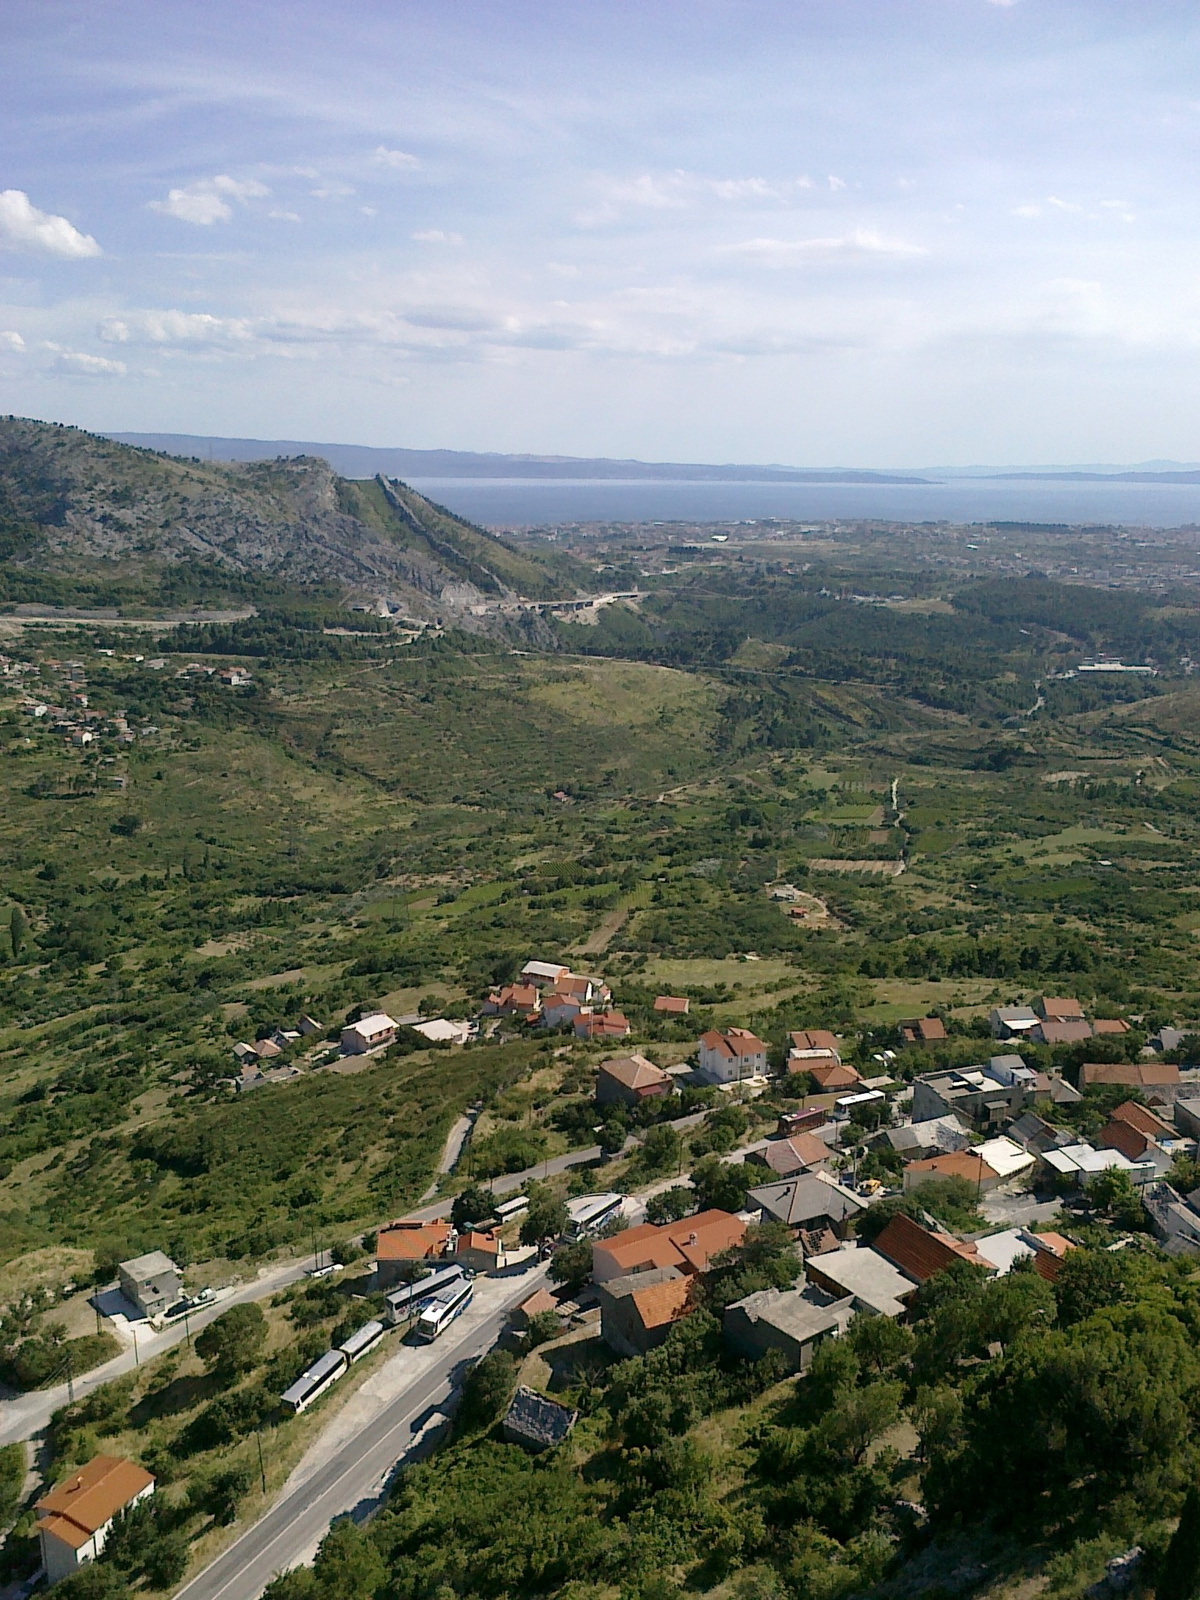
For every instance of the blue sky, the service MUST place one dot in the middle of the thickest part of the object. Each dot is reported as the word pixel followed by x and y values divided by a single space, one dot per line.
pixel 865 232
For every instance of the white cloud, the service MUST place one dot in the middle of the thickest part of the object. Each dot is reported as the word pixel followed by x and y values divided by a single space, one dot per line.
pixel 398 159
pixel 174 328
pixel 1030 210
pixel 332 191
pixel 674 191
pixel 24 227
pixel 436 236
pixel 836 183
pixel 284 216
pixel 11 338
pixel 207 200
pixel 863 243
pixel 1062 205
pixel 369 211
pixel 78 361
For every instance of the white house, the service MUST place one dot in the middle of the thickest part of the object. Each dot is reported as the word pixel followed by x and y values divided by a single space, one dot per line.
pixel 75 1518
pixel 368 1033
pixel 732 1056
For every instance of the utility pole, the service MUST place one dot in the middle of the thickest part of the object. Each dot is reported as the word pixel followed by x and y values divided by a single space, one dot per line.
pixel 137 1361
pixel 262 1471
pixel 70 1383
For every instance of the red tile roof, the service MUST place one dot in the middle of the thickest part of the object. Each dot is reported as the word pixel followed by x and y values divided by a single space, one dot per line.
pixel 662 1303
pixel 1123 1136
pixel 814 1039
pixel 918 1252
pixel 404 1241
pixel 636 1073
pixel 1058 1009
pixel 688 1245
pixel 1071 1030
pixel 1110 1025
pixel 673 1005
pixel 955 1164
pixel 828 1075
pixel 1143 1119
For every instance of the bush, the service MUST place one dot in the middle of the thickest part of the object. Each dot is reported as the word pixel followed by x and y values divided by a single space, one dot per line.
pixel 12 1479
pixel 488 1389
pixel 232 1343
pixel 543 1326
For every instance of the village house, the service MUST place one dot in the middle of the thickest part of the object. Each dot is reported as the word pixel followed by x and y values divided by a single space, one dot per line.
pixel 1158 1080
pixel 930 1137
pixel 829 1077
pixel 639 1309
pixel 810 1203
pixel 788 1320
pixel 965 1164
pixel 1112 1025
pixel 1013 1022
pixel 630 1080
pixel 560 1010
pixel 539 1303
pixel 544 974
pixel 813 1044
pixel 368 1033
pixel 731 1056
pixel 1077 1165
pixel 919 1253
pixel 1138 1133
pixel 1070 1030
pixel 688 1246
pixel 601 1025
pixel 800 1152
pixel 75 1518
pixel 922 1030
pixel 481 1252
pixel 153 1283
pixel 513 1000
pixel 862 1276
pixel 401 1248
pixel 672 1005
pixel 986 1097
pixel 1175 1221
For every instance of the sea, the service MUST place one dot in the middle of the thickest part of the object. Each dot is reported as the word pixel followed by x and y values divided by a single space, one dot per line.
pixel 535 503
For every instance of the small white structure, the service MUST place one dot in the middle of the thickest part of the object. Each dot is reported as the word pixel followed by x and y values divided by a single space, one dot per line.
pixel 75 1518
pixel 1005 1157
pixel 368 1033
pixel 440 1030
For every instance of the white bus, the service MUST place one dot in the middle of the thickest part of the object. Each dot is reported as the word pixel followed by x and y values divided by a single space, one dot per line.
pixel 441 1310
pixel 410 1298
pixel 510 1210
pixel 364 1339
pixel 310 1385
pixel 590 1212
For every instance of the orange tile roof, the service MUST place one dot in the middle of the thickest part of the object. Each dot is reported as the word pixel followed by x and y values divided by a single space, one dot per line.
pixel 829 1074
pixel 85 1501
pixel 1110 1025
pixel 1056 1243
pixel 662 1303
pixel 918 1252
pixel 672 1004
pixel 1068 1030
pixel 404 1242
pixel 488 1242
pixel 540 1300
pixel 689 1244
pixel 925 1029
pixel 955 1164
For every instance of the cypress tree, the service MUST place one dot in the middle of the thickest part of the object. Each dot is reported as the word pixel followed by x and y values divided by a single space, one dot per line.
pixel 18 930
pixel 1180 1577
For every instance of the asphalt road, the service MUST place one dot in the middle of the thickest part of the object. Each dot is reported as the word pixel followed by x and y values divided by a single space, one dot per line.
pixel 28 1415
pixel 354 1476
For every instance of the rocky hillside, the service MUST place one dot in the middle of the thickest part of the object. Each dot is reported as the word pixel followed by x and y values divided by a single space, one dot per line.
pixel 70 500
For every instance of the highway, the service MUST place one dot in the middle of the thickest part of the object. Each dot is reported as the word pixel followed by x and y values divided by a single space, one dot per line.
pixel 357 1472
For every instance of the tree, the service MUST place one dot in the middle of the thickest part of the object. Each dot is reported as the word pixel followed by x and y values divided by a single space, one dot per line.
pixel 543 1325
pixel 571 1265
pixel 471 1205
pixel 672 1205
pixel 18 931
pixel 546 1218
pixel 231 1345
pixel 661 1151
pixel 166 1560
pixel 348 1564
pixel 1113 1192
pixel 1180 1575
pixel 880 1344
pixel 720 1185
pixel 487 1389
pixel 1088 1281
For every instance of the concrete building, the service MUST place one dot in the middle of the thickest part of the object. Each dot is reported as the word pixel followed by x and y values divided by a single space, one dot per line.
pixel 401 1249
pixel 731 1056
pixel 75 1518
pixel 986 1097
pixel 688 1246
pixel 153 1282
pixel 868 1280
pixel 812 1202
pixel 788 1320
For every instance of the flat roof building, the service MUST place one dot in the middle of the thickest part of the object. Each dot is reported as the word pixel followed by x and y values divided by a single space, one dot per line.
pixel 152 1282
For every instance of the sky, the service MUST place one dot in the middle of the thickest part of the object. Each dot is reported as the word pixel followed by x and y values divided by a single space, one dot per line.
pixel 816 232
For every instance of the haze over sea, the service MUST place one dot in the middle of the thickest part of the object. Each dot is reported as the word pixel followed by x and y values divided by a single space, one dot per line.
pixel 526 502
